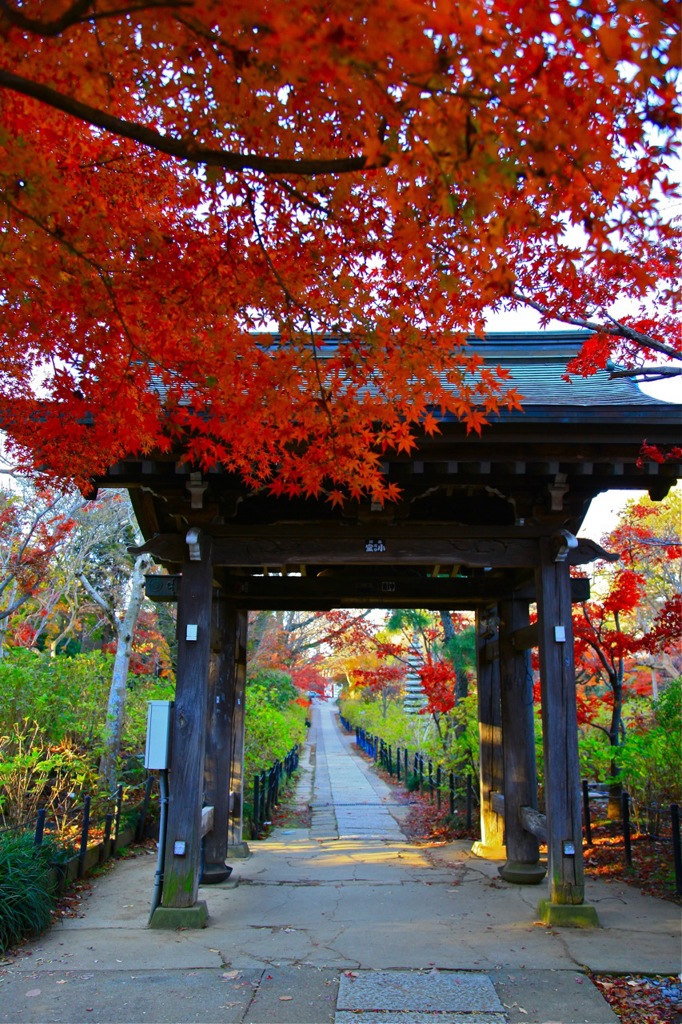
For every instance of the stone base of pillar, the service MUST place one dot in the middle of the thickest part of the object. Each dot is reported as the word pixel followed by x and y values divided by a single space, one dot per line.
pixel 521 873
pixel 479 849
pixel 171 918
pixel 240 851
pixel 568 915
pixel 212 874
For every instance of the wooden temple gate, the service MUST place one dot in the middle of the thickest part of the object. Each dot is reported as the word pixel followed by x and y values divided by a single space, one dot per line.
pixel 486 522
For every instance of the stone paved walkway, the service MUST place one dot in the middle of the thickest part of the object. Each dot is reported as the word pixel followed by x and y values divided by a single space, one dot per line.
pixel 344 922
pixel 347 801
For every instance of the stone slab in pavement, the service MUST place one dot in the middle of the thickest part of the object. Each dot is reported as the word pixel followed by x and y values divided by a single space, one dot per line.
pixel 396 1017
pixel 562 997
pixel 418 992
pixel 199 996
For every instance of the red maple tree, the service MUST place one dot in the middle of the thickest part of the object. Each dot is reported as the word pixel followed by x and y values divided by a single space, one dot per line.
pixel 624 632
pixel 177 177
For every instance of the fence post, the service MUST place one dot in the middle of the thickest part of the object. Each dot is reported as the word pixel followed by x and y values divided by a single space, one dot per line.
pixel 117 818
pixel 439 780
pixel 470 794
pixel 139 831
pixel 586 813
pixel 106 844
pixel 625 806
pixel 421 774
pixel 677 850
pixel 430 772
pixel 85 828
pixel 256 804
pixel 263 798
pixel 40 827
pixel 397 762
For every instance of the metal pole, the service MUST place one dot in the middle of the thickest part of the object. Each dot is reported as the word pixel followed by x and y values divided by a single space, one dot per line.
pixel 40 827
pixel 469 800
pixel 85 828
pixel 677 850
pixel 586 813
pixel 625 805
pixel 139 831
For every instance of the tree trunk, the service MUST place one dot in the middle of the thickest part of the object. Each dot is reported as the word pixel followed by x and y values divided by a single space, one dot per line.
pixel 119 679
pixel 613 812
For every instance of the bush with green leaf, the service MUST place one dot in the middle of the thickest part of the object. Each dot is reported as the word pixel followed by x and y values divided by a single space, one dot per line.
pixel 275 722
pixel 650 759
pixel 52 716
pixel 36 775
pixel 27 887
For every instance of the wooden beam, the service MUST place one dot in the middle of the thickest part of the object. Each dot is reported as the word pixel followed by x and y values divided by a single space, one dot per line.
pixel 380 547
pixel 221 683
pixel 535 822
pixel 525 639
pixel 183 833
pixel 560 732
pixel 235 841
pixel 207 817
pixel 491 844
pixel 518 744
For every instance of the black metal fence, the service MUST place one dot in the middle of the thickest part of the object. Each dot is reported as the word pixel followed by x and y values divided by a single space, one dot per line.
pixel 266 787
pixel 417 772
pixel 656 823
pixel 90 841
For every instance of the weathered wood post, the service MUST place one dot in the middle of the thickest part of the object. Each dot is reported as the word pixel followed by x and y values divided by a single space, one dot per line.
pixel 235 840
pixel 491 844
pixel 566 904
pixel 179 907
pixel 221 684
pixel 518 744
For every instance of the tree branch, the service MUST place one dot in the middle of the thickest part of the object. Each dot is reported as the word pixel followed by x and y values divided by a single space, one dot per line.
pixel 614 327
pixel 80 11
pixel 178 148
pixel 5 614
pixel 100 601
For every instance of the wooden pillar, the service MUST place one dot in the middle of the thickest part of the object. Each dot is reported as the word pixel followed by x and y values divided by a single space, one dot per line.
pixel 186 781
pixel 560 739
pixel 491 843
pixel 518 743
pixel 221 684
pixel 235 841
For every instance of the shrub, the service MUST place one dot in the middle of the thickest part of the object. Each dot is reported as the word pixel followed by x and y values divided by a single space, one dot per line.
pixel 35 775
pixel 270 731
pixel 27 887
pixel 650 760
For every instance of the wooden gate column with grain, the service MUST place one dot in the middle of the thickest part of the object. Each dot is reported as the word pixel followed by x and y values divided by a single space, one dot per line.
pixel 566 873
pixel 518 744
pixel 182 861
pixel 218 759
pixel 491 844
pixel 236 845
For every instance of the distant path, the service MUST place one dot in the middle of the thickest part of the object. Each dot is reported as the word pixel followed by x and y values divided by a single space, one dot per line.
pixel 349 801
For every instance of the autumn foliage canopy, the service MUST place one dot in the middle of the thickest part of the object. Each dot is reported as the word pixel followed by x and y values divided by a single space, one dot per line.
pixel 178 177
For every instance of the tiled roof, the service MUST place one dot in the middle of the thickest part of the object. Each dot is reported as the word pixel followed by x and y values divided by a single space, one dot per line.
pixel 537 362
